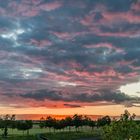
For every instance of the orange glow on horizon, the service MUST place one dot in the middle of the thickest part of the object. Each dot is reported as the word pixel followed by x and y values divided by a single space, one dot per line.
pixel 111 110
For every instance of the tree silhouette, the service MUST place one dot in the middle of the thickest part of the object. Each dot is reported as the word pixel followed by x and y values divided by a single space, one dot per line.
pixel 29 125
pixel 59 124
pixel 42 123
pixel 24 125
pixel 103 121
pixel 77 120
pixel 6 121
pixel 13 122
pixel 91 123
pixel 50 122
pixel 69 122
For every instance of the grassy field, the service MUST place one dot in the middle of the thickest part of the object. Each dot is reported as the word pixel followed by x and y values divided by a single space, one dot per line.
pixel 20 138
pixel 36 129
pixel 58 135
pixel 55 136
pixel 70 135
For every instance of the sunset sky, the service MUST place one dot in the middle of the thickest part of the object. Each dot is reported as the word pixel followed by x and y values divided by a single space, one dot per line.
pixel 69 56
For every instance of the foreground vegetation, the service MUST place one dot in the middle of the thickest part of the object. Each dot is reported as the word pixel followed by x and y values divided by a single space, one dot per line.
pixel 126 128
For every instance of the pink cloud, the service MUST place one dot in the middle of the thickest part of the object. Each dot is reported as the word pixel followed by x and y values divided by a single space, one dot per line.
pixel 31 13
pixel 87 20
pixel 28 8
pixel 2 11
pixel 136 7
pixel 118 16
pixel 23 9
pixel 63 35
pixel 68 36
pixel 105 45
pixel 129 34
pixel 109 19
pixel 50 6
pixel 41 43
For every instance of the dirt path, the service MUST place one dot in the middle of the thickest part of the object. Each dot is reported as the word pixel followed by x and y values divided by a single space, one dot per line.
pixel 39 137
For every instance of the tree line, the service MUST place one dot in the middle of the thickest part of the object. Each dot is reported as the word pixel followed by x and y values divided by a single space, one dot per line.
pixel 75 121
pixel 8 121
pixel 126 127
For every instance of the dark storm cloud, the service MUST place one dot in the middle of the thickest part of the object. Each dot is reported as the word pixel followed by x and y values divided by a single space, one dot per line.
pixel 72 48
pixel 43 94
pixel 72 105
pixel 103 95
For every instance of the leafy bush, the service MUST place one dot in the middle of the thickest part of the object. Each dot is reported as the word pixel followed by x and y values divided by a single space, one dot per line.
pixel 123 129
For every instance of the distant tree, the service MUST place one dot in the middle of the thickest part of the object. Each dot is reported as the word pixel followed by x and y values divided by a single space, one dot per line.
pixel 1 124
pixel 88 122
pixel 62 124
pixel 42 123
pixel 21 126
pixel 24 126
pixel 103 121
pixel 91 123
pixel 59 124
pixel 13 122
pixel 6 122
pixel 29 125
pixel 77 121
pixel 69 122
pixel 50 122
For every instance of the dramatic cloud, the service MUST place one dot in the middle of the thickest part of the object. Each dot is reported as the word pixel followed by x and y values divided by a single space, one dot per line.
pixel 103 95
pixel 68 53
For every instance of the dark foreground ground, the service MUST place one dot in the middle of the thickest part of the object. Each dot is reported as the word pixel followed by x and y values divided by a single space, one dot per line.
pixel 43 138
pixel 70 136
pixel 90 139
pixel 86 135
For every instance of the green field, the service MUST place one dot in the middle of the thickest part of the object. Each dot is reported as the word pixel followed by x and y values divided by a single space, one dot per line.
pixel 36 130
pixel 55 136
pixel 20 138
pixel 84 132
pixel 70 135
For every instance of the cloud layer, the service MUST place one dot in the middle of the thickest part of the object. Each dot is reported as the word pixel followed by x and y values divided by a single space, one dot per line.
pixel 67 53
